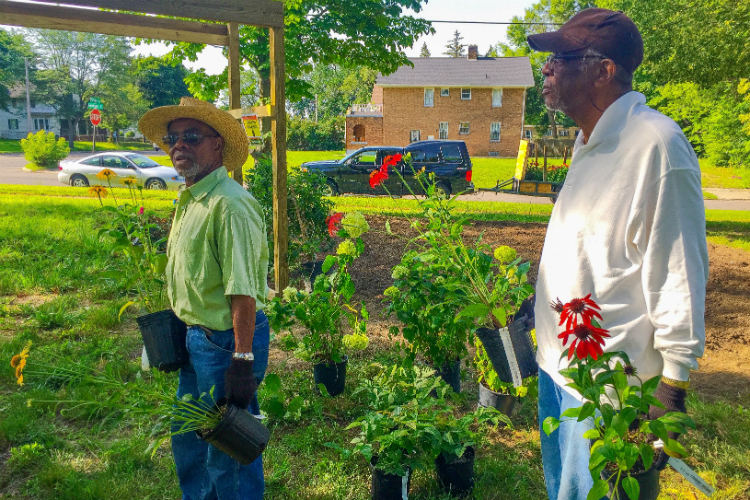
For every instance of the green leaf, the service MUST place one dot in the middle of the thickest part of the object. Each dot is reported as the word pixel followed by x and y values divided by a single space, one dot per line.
pixel 647 455
pixel 673 448
pixel 272 383
pixel 501 315
pixel 550 425
pixel 599 490
pixel 328 263
pixel 572 412
pixel 631 487
pixel 592 434
pixel 474 311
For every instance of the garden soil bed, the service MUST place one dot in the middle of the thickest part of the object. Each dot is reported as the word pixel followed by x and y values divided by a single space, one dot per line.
pixel 722 371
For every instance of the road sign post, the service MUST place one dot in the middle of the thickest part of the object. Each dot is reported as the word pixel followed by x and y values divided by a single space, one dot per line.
pixel 96 118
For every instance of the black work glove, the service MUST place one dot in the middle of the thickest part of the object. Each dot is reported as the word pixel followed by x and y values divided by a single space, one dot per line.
pixel 240 383
pixel 673 399
pixel 527 309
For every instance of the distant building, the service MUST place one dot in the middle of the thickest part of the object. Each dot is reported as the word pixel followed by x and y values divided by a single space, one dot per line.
pixel 478 100
pixel 531 133
pixel 13 122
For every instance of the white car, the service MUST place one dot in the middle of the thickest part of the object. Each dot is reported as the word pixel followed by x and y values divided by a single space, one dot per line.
pixel 148 173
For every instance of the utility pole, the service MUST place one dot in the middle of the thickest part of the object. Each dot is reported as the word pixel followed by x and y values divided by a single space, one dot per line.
pixel 316 108
pixel 28 95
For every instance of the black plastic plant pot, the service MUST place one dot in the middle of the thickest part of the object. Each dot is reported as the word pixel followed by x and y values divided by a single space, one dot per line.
pixel 164 336
pixel 523 350
pixel 331 375
pixel 647 480
pixel 451 374
pixel 239 434
pixel 311 270
pixel 503 403
pixel 388 486
pixel 456 477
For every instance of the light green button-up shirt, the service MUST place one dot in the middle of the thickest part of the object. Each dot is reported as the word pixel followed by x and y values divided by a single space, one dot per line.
pixel 217 248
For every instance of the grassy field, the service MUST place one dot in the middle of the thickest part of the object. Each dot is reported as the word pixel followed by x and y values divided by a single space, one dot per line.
pixel 14 146
pixel 52 293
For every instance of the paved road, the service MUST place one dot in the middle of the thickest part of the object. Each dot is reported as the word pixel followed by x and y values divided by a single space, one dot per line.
pixel 11 172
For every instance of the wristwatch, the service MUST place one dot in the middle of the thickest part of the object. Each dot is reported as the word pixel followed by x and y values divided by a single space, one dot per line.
pixel 246 356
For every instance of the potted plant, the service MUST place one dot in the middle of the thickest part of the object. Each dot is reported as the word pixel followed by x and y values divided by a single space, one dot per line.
pixel 623 449
pixel 429 324
pixel 322 311
pixel 235 432
pixel 493 392
pixel 393 433
pixel 132 230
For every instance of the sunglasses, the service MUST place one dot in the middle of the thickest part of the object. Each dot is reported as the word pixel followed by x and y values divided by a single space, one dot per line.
pixel 566 57
pixel 187 138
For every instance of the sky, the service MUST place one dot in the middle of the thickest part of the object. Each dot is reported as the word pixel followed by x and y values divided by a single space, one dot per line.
pixel 482 35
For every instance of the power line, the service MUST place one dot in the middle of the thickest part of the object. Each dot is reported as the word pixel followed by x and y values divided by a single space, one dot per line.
pixel 493 22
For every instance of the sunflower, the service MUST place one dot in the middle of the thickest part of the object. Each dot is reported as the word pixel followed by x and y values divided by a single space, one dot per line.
pixel 19 362
pixel 130 181
pixel 99 191
pixel 106 174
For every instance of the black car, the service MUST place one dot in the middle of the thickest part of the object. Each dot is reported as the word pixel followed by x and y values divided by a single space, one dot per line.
pixel 448 160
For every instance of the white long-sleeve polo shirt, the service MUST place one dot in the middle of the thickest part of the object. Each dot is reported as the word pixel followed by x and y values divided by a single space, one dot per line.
pixel 629 227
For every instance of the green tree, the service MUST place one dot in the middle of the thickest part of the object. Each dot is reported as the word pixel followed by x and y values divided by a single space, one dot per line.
pixel 13 49
pixel 455 48
pixel 425 52
pixel 161 83
pixel 337 88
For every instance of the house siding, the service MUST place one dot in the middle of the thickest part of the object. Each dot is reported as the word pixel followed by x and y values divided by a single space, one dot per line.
pixel 19 113
pixel 404 111
pixel 377 94
pixel 373 132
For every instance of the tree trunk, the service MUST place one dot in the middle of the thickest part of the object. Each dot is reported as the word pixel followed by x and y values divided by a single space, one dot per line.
pixel 552 123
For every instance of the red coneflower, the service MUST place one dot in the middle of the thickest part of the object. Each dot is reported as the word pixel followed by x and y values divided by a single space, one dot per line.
pixel 557 306
pixel 378 176
pixel 331 221
pixel 585 308
pixel 588 340
pixel 391 160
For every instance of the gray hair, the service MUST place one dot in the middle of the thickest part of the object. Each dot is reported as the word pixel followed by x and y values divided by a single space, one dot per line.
pixel 623 77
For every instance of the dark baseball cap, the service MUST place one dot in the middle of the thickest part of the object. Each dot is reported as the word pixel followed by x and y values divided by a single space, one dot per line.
pixel 612 33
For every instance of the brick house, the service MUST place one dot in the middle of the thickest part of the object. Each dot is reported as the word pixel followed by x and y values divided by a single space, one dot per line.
pixel 478 100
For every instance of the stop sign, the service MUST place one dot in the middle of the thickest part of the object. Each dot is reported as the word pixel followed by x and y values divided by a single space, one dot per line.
pixel 95 117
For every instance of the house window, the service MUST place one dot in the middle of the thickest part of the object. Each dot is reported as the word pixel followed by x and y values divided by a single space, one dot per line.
pixel 36 124
pixel 527 134
pixel 465 94
pixel 13 123
pixel 564 133
pixel 445 93
pixel 495 132
pixel 443 130
pixel 497 98
pixel 429 95
pixel 14 103
pixel 359 133
pixel 463 128
pixel 414 135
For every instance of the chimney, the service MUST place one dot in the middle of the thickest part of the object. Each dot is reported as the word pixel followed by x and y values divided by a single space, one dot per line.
pixel 473 52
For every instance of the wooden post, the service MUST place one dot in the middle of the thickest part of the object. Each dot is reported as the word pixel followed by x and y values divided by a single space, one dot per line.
pixel 544 172
pixel 278 154
pixel 565 154
pixel 234 79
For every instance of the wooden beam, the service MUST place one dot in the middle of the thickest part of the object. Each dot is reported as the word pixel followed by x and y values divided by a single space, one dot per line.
pixel 234 79
pixel 278 153
pixel 260 111
pixel 37 15
pixel 263 13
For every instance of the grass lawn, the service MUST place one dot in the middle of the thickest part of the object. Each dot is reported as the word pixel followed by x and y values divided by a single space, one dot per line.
pixel 14 146
pixel 10 146
pixel 52 292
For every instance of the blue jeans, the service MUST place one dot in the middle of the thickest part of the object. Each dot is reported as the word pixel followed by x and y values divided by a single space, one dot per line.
pixel 204 472
pixel 565 453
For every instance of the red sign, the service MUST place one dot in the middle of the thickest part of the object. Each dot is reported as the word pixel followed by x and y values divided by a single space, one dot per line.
pixel 95 117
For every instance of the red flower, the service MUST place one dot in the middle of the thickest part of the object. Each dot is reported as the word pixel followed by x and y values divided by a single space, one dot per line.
pixel 588 338
pixel 378 176
pixel 391 160
pixel 468 176
pixel 332 220
pixel 585 308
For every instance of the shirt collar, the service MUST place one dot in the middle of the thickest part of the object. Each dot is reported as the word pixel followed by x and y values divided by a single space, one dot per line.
pixel 614 118
pixel 200 189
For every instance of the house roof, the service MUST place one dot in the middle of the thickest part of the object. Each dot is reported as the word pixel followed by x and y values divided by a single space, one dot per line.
pixel 462 72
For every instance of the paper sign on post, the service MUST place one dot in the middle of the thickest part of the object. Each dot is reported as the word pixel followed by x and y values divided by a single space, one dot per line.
pixel 515 372
pixel 252 128
pixel 691 476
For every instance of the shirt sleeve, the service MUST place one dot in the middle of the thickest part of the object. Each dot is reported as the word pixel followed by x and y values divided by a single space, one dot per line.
pixel 239 249
pixel 675 264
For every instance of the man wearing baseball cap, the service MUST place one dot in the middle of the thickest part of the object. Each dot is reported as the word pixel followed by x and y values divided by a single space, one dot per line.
pixel 216 280
pixel 628 228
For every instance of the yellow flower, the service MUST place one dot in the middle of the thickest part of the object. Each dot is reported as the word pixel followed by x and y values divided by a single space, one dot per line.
pixel 99 191
pixel 19 362
pixel 130 181
pixel 106 174
pixel 421 171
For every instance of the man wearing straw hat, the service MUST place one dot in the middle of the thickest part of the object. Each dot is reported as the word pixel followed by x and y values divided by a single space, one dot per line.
pixel 216 278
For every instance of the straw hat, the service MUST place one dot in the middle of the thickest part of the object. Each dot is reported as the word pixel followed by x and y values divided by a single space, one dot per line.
pixel 154 125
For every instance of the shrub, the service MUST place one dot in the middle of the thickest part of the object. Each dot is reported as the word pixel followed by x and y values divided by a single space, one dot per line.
pixel 307 135
pixel 130 133
pixel 43 149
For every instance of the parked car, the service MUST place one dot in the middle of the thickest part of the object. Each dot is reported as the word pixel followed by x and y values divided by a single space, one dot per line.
pixel 448 160
pixel 148 173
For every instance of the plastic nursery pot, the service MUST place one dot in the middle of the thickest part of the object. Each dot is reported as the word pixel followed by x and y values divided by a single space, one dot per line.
pixel 451 374
pixel 164 336
pixel 503 403
pixel 388 486
pixel 311 270
pixel 239 434
pixel 647 480
pixel 456 477
pixel 520 352
pixel 331 375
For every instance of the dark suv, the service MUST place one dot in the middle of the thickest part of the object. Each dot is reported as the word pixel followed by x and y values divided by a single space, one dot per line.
pixel 448 160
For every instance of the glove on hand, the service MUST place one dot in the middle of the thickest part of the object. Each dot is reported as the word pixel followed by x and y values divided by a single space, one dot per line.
pixel 240 383
pixel 673 399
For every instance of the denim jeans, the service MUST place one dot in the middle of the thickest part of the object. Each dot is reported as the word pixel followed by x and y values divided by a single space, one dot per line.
pixel 204 472
pixel 565 453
